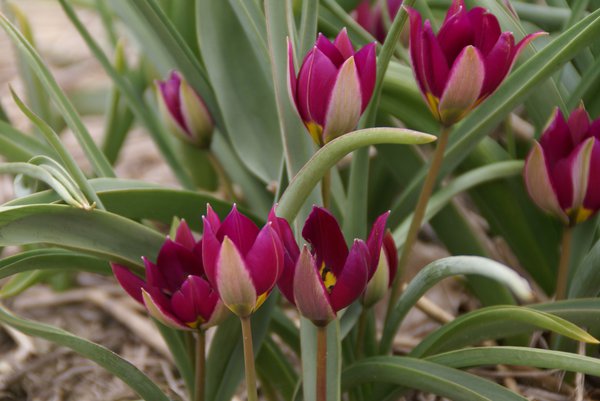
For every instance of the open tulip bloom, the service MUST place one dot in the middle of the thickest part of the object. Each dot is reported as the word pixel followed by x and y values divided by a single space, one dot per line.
pixel 175 291
pixel 329 277
pixel 333 87
pixel 242 261
pixel 464 63
pixel 370 16
pixel 562 171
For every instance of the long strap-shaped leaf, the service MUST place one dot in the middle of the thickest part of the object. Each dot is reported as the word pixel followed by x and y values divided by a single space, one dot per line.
pixel 104 357
pixel 512 92
pixel 95 156
pixel 426 376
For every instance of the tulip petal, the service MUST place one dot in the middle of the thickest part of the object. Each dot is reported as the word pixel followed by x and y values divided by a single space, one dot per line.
pixel 310 294
pixel 220 313
pixel 378 284
pixel 212 218
pixel 155 277
pixel 211 247
pixel 366 65
pixel 375 241
pixel 131 283
pixel 158 307
pixel 497 63
pixel 487 28
pixel 435 63
pixel 539 184
pixel 416 49
pixel 323 233
pixel 240 229
pixel 315 82
pixel 344 108
pixel 265 260
pixel 234 283
pixel 463 87
pixel 291 253
pixel 391 254
pixel 184 236
pixel 195 114
pixel 592 196
pixel 343 44
pixel 456 33
pixel 169 91
pixel 556 139
pixel 329 50
pixel 176 263
pixel 579 163
pixel 194 302
pixel 352 280
pixel 524 42
pixel 579 124
pixel 456 7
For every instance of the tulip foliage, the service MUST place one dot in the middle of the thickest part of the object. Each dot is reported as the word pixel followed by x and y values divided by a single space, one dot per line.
pixel 320 152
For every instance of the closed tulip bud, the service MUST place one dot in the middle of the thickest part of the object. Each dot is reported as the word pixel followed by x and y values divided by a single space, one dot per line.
pixel 562 171
pixel 385 272
pixel 467 60
pixel 176 291
pixel 242 261
pixel 333 87
pixel 329 277
pixel 184 112
pixel 370 16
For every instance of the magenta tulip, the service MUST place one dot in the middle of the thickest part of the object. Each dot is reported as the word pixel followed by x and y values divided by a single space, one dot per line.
pixel 385 272
pixel 184 111
pixel 330 277
pixel 562 171
pixel 242 261
pixel 370 16
pixel 467 60
pixel 333 87
pixel 176 291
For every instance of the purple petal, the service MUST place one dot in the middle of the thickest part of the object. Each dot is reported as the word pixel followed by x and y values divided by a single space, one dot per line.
pixel 240 229
pixel 184 236
pixel 234 283
pixel 310 294
pixel 463 87
pixel 435 64
pixel 497 63
pixel 195 302
pixel 176 262
pixel 539 184
pixel 524 42
pixel 456 7
pixel 344 108
pixel 265 260
pixel 212 218
pixel 291 254
pixel 455 34
pixel 579 168
pixel 131 283
pixel 556 139
pixel 343 44
pixel 366 65
pixel 375 241
pixel 487 29
pixel 352 280
pixel 159 308
pixel 169 91
pixel 579 124
pixel 416 48
pixel 391 254
pixel 329 50
pixel 323 233
pixel 211 247
pixel 315 81
pixel 155 277
pixel 592 196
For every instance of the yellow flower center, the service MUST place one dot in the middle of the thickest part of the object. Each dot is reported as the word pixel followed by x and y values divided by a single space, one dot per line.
pixel 328 277
pixel 316 132
pixel 579 215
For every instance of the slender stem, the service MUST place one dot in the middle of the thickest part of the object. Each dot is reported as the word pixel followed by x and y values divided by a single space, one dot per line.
pixel 417 220
pixel 321 363
pixel 200 365
pixel 249 359
pixel 360 336
pixel 326 189
pixel 563 264
pixel 224 180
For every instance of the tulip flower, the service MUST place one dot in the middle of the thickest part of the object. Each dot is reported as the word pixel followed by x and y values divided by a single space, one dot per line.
pixel 370 16
pixel 467 60
pixel 176 291
pixel 385 272
pixel 241 261
pixel 184 111
pixel 329 277
pixel 333 87
pixel 562 171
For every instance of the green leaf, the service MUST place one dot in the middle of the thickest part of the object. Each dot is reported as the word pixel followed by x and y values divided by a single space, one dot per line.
pixel 308 25
pixel 20 282
pixel 426 376
pixel 519 356
pixel 94 232
pixel 439 270
pixel 304 182
pixel 243 89
pixel 275 370
pixel 94 155
pixel 19 147
pixel 586 281
pixel 110 361
pixel 515 89
pixel 492 323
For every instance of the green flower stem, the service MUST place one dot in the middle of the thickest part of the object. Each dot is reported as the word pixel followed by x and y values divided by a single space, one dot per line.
pixel 321 363
pixel 563 264
pixel 200 365
pixel 326 189
pixel 312 172
pixel 249 359
pixel 224 181
pixel 419 213
pixel 360 335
